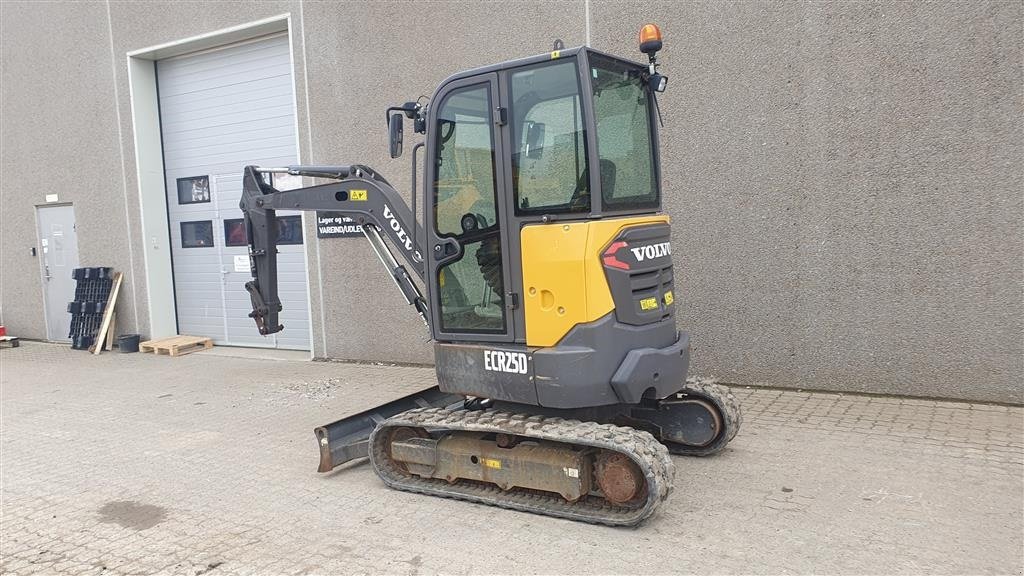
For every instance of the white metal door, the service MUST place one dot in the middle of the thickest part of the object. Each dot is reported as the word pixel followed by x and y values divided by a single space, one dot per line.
pixel 219 111
pixel 58 256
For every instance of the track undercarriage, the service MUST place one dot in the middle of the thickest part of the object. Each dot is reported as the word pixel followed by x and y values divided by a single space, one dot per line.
pixel 607 466
pixel 585 471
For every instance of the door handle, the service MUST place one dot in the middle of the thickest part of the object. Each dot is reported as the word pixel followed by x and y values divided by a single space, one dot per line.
pixel 446 250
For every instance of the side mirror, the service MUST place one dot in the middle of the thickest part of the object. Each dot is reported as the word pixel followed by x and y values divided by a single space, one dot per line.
pixel 395 129
pixel 535 140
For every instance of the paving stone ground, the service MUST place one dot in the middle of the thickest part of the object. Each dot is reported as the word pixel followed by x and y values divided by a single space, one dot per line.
pixel 204 464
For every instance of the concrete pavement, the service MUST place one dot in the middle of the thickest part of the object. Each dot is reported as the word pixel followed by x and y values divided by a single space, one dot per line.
pixel 138 464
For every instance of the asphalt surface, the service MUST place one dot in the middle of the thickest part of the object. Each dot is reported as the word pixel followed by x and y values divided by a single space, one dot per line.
pixel 205 464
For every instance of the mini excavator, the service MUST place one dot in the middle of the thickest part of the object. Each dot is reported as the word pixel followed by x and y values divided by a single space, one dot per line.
pixel 549 291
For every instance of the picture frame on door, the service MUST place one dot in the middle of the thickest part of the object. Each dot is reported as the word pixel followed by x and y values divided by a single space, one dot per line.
pixel 197 234
pixel 193 189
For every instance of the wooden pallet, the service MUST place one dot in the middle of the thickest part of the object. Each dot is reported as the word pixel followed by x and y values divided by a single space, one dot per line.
pixel 176 345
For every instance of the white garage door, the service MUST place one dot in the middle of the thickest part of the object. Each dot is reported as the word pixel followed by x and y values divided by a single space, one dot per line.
pixel 219 111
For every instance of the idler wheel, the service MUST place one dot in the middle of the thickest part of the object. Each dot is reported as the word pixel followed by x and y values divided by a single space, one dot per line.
pixel 619 478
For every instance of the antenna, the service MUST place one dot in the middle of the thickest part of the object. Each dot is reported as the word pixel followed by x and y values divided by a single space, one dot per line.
pixel 559 45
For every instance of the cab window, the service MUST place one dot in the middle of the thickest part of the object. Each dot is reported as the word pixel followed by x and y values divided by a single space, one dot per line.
pixel 549 157
pixel 624 138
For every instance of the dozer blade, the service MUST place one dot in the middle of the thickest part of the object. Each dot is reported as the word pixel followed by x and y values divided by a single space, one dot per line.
pixel 347 439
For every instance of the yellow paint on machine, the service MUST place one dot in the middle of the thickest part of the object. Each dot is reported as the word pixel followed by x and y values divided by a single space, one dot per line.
pixel 555 257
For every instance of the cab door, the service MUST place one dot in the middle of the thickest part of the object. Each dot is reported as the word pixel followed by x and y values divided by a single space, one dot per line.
pixel 466 224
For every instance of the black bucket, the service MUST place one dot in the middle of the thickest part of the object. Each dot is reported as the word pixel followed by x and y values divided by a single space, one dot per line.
pixel 128 343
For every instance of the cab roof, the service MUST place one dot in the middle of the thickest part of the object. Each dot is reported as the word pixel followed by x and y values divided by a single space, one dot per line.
pixel 545 57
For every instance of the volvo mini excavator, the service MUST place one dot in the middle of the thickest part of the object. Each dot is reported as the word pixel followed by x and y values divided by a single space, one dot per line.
pixel 549 292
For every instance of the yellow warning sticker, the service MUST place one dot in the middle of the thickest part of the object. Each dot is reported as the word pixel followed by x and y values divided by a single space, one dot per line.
pixel 648 303
pixel 357 195
pixel 669 299
pixel 491 463
pixel 555 54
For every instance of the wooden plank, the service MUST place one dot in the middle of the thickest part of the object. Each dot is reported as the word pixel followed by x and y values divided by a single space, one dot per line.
pixel 108 314
pixel 110 333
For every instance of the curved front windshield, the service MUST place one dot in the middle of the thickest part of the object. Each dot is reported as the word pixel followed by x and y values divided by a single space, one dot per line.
pixel 624 138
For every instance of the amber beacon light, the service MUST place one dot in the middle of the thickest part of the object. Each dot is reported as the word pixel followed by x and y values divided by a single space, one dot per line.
pixel 650 39
pixel 650 43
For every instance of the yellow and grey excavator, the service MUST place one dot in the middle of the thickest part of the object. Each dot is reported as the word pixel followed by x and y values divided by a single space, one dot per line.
pixel 547 267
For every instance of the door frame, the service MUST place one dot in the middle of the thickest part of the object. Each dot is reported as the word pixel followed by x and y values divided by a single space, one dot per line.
pixel 149 163
pixel 46 305
pixel 489 79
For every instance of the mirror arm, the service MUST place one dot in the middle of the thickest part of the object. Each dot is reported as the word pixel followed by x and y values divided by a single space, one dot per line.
pixel 415 217
pixel 409 109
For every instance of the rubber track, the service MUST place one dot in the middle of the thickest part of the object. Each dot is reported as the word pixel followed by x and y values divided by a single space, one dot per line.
pixel 651 456
pixel 728 407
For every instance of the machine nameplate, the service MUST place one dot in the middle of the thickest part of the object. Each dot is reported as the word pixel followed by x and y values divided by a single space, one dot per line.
pixel 651 251
pixel 500 361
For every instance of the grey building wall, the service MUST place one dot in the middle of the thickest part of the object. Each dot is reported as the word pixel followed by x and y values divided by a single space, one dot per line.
pixel 59 129
pixel 845 180
pixel 846 183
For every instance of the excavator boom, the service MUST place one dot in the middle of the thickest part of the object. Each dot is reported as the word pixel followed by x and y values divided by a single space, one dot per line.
pixel 359 193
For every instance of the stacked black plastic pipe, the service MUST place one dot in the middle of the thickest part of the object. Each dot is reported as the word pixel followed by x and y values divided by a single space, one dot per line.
pixel 91 293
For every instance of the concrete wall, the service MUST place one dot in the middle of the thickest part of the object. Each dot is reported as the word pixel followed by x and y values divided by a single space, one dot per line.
pixel 845 179
pixel 59 126
pixel 846 183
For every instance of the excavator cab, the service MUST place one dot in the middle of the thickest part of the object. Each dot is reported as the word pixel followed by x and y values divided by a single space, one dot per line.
pixel 546 265
pixel 542 175
pixel 546 141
